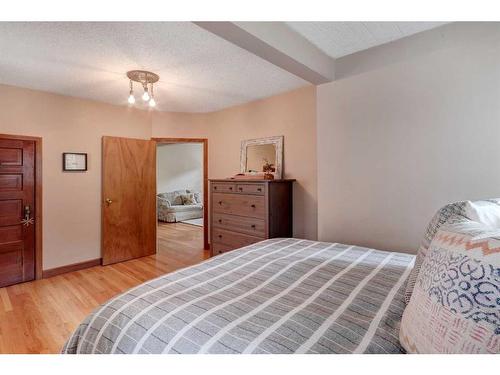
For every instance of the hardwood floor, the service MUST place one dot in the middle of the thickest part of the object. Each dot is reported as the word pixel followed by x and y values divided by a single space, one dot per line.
pixel 38 316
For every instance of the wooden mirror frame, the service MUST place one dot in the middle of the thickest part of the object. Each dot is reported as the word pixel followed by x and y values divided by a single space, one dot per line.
pixel 277 141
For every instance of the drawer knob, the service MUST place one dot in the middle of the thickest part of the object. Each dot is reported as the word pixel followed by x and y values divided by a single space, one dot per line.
pixel 230 188
pixel 259 189
pixel 240 189
pixel 220 202
pixel 215 187
pixel 252 205
pixel 220 236
pixel 253 226
pixel 220 220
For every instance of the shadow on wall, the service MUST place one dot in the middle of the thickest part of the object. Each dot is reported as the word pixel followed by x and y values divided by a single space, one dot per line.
pixel 304 206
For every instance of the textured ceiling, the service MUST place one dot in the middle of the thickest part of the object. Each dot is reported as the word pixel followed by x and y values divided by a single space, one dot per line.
pixel 199 72
pixel 339 39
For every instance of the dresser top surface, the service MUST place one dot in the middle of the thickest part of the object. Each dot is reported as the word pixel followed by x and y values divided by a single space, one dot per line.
pixel 251 180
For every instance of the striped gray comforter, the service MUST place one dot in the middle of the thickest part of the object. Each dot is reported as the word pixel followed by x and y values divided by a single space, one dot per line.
pixel 276 296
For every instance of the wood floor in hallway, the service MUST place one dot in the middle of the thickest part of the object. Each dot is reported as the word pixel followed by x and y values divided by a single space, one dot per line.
pixel 38 316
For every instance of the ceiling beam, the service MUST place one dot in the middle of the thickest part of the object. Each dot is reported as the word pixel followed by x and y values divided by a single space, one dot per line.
pixel 279 45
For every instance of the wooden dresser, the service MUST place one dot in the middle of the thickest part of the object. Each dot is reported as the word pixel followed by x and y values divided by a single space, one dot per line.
pixel 243 212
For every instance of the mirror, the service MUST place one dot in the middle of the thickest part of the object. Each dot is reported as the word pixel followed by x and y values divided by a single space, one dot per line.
pixel 258 155
pixel 261 155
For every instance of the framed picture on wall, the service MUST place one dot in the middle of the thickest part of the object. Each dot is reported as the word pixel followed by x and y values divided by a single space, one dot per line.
pixel 74 162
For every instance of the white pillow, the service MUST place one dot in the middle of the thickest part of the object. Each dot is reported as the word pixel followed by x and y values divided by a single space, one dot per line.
pixel 484 212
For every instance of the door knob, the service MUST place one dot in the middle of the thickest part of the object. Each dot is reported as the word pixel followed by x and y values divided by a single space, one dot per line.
pixel 27 221
pixel 108 201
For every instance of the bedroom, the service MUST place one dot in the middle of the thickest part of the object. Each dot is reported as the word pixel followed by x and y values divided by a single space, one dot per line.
pixel 325 151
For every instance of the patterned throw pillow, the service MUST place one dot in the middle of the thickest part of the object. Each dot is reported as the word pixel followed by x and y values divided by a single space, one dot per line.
pixel 188 199
pixel 439 219
pixel 176 199
pixel 455 306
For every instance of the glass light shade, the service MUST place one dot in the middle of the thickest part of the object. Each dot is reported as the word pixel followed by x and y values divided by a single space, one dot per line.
pixel 152 102
pixel 131 99
pixel 145 96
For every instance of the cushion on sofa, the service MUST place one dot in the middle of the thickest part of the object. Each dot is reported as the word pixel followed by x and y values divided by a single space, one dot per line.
pixel 188 199
pixel 177 197
pixel 174 197
pixel 455 305
pixel 185 208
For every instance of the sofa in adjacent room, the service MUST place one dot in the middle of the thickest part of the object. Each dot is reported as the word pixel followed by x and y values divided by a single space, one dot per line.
pixel 179 205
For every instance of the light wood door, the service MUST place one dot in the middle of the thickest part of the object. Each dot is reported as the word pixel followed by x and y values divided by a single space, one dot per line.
pixel 17 210
pixel 128 199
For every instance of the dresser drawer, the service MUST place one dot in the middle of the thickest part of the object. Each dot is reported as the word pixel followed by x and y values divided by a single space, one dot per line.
pixel 220 248
pixel 232 240
pixel 257 189
pixel 223 187
pixel 241 224
pixel 239 204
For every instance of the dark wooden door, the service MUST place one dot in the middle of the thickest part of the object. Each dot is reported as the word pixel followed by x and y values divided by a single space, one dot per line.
pixel 129 199
pixel 17 211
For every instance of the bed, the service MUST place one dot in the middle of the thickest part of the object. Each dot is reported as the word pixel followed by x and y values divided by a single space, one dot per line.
pixel 277 296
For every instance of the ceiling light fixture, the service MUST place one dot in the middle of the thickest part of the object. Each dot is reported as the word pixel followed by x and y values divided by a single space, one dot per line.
pixel 131 97
pixel 152 101
pixel 145 96
pixel 146 79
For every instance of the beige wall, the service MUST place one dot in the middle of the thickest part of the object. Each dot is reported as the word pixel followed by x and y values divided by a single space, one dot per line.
pixel 292 114
pixel 71 212
pixel 407 128
pixel 71 215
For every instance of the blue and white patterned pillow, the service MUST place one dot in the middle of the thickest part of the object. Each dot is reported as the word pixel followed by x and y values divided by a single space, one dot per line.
pixel 446 214
pixel 439 219
pixel 455 305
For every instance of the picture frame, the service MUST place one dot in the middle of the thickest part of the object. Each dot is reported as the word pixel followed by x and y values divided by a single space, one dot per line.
pixel 74 162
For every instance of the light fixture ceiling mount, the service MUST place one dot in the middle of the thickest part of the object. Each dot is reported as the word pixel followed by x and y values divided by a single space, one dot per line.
pixel 143 76
pixel 146 79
